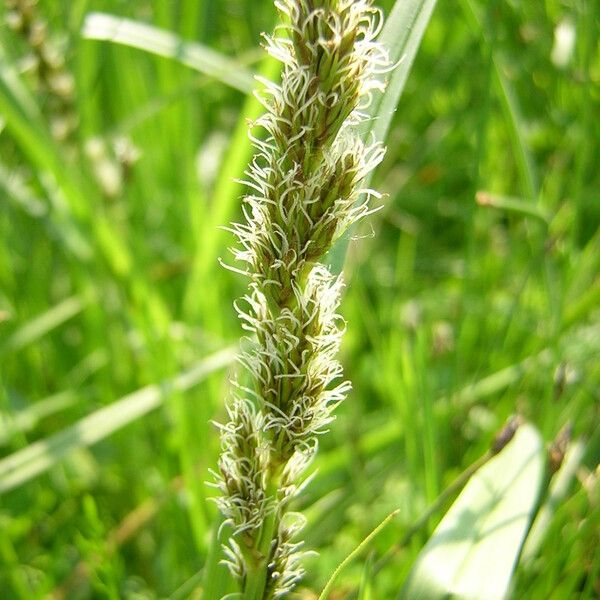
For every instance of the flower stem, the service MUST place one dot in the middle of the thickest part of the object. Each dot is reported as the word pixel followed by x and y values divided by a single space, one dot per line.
pixel 257 568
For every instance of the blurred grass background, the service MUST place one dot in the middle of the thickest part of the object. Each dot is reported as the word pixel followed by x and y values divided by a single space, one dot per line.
pixel 116 169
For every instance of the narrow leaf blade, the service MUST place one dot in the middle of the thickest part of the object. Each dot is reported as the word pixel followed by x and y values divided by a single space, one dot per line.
pixel 559 488
pixel 37 458
pixel 401 35
pixel 102 26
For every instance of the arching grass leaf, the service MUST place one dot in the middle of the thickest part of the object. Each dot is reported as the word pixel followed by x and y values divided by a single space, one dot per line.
pixel 37 458
pixel 101 26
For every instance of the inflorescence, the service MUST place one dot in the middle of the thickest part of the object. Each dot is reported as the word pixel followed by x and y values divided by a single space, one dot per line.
pixel 305 191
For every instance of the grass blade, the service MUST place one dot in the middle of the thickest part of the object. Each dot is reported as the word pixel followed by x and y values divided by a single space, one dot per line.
pixel 364 544
pixel 514 205
pixel 26 419
pixel 401 35
pixel 559 488
pixel 39 457
pixel 102 26
pixel 24 122
pixel 43 324
pixel 225 201
pixel 18 193
pixel 510 107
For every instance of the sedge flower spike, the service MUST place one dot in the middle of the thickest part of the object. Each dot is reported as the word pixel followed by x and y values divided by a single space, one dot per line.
pixel 304 191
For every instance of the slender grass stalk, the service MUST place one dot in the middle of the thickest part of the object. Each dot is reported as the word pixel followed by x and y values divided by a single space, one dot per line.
pixel 329 585
pixel 305 191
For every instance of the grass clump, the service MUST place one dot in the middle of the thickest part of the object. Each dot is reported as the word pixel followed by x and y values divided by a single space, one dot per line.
pixel 476 299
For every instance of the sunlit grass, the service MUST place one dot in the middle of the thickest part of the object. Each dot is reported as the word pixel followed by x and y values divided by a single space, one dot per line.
pixel 459 313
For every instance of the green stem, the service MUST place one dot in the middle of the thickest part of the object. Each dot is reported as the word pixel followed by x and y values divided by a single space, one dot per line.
pixel 329 586
pixel 258 557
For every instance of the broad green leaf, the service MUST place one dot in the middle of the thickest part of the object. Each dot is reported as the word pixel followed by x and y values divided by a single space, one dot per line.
pixel 37 458
pixel 401 35
pixel 473 551
pixel 101 26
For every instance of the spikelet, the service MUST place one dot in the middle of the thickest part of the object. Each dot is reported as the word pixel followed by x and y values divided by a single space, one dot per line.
pixel 304 191
pixel 46 59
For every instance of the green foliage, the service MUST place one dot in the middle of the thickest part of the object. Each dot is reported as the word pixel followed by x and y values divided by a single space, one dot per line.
pixel 458 313
pixel 474 550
